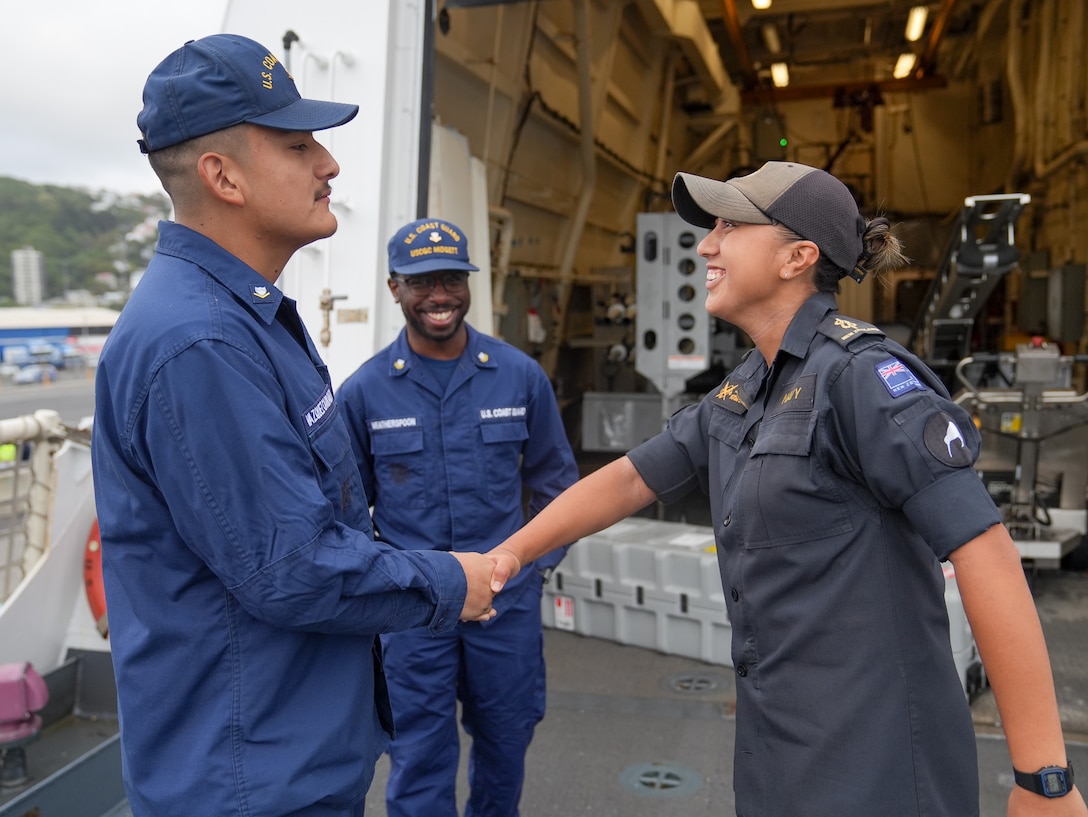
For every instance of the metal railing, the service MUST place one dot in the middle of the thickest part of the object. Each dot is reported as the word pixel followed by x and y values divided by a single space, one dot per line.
pixel 27 483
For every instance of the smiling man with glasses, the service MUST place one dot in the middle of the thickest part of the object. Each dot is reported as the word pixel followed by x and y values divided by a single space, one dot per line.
pixel 448 426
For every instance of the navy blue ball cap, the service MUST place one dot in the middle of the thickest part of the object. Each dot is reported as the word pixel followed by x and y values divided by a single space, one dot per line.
pixel 429 245
pixel 223 80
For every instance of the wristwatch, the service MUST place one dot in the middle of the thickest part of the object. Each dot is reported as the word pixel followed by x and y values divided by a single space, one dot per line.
pixel 1050 781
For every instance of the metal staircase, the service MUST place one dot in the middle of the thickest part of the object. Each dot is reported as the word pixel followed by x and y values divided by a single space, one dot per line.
pixel 982 250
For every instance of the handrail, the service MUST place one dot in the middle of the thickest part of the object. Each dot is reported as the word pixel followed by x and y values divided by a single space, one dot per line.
pixel 990 396
pixel 28 444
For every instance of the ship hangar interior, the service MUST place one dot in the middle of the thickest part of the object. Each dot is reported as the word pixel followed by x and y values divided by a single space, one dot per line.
pixel 964 121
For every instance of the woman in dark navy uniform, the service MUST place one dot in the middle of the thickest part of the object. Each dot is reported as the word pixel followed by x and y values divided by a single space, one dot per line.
pixel 840 477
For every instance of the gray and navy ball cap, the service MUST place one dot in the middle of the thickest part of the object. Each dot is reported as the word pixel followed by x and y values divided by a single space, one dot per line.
pixel 809 201
pixel 223 80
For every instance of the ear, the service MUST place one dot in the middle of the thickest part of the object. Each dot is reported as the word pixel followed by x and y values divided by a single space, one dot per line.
pixel 221 177
pixel 391 282
pixel 802 255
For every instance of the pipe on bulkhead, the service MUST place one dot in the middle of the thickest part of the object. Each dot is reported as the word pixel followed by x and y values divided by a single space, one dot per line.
pixel 1044 166
pixel 586 110
pixel 1013 68
pixel 588 149
pixel 501 271
pixel 666 116
pixel 1041 95
pixel 492 78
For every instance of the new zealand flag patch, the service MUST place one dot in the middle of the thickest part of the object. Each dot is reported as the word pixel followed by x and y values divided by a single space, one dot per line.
pixel 898 379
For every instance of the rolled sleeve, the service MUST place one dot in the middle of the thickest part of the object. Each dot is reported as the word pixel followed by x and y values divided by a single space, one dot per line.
pixel 952 512
pixel 665 467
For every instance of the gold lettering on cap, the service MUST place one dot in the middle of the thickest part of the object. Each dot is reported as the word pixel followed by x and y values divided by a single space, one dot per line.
pixel 270 61
pixel 443 250
pixel 430 226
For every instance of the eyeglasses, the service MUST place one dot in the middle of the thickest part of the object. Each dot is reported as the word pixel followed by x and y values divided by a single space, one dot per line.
pixel 452 282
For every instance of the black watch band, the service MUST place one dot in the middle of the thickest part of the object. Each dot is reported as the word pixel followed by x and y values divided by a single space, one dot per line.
pixel 1050 781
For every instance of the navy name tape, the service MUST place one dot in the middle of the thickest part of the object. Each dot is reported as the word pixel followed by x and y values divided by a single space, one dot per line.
pixel 319 410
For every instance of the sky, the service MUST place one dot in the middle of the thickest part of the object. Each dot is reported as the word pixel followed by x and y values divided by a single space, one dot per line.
pixel 72 83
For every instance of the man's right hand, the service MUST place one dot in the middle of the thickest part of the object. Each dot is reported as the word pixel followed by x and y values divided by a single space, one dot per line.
pixel 478 569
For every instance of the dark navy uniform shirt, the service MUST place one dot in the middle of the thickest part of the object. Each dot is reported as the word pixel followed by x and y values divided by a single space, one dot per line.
pixel 445 466
pixel 839 478
pixel 243 585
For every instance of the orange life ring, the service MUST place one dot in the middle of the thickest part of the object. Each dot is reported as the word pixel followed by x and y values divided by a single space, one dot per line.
pixel 92 579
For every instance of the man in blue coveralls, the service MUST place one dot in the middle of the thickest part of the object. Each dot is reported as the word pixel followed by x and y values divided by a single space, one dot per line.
pixel 448 426
pixel 244 587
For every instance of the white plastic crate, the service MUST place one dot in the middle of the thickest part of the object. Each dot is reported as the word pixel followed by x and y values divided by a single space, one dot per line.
pixel 656 585
pixel 645 583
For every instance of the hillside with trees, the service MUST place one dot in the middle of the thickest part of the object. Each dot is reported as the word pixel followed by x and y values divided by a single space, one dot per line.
pixel 80 233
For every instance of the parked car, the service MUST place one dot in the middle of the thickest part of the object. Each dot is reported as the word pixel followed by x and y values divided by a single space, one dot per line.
pixel 35 373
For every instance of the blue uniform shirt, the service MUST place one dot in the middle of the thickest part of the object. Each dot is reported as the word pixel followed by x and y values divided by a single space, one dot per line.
pixel 838 478
pixel 242 582
pixel 442 466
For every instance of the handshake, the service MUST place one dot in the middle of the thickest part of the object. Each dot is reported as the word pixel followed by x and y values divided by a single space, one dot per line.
pixel 487 573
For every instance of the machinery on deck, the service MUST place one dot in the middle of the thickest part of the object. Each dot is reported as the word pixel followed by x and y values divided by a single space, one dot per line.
pixel 1033 422
pixel 1032 411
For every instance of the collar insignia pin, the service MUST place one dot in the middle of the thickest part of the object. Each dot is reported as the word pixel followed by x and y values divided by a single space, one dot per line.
pixel 483 358
pixel 398 363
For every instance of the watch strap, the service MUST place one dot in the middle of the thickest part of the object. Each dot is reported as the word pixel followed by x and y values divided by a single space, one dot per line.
pixel 1050 781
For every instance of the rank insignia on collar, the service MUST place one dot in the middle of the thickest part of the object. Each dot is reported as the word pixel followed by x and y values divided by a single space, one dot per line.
pixel 483 357
pixel 261 292
pixel 731 397
pixel 398 364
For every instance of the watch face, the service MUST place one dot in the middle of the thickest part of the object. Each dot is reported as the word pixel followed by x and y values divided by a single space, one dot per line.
pixel 1054 782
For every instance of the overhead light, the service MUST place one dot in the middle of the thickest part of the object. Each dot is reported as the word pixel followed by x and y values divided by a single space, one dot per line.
pixel 761 4
pixel 916 23
pixel 770 38
pixel 904 65
pixel 780 74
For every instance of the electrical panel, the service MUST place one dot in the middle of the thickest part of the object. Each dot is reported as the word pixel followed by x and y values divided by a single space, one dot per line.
pixel 674 328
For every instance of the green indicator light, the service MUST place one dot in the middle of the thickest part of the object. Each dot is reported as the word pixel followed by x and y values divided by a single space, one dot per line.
pixel 782 142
